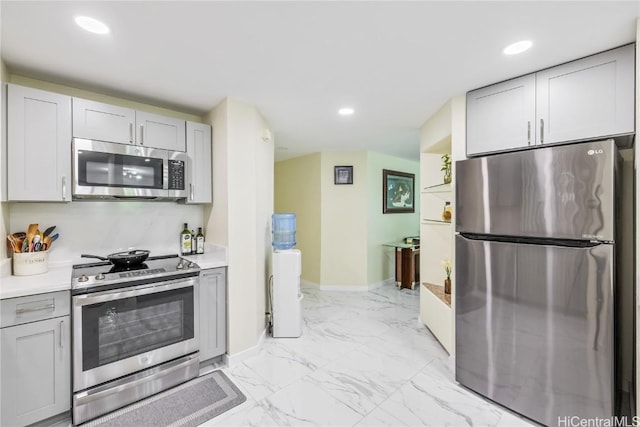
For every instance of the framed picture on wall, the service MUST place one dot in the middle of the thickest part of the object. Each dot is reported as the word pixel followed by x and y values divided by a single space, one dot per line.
pixel 343 175
pixel 398 192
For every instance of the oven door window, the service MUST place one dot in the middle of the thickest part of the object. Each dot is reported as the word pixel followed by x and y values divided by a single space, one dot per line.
pixel 119 170
pixel 118 329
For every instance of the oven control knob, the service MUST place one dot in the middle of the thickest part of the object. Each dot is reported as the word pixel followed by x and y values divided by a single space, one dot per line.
pixel 180 266
pixel 83 278
pixel 100 276
pixel 191 265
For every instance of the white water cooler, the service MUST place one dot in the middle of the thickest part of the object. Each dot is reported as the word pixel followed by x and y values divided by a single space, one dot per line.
pixel 286 295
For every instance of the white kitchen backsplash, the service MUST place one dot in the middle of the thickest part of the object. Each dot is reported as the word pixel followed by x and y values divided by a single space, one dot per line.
pixel 102 228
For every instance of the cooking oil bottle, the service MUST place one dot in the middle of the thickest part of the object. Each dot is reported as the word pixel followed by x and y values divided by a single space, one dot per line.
pixel 199 241
pixel 185 241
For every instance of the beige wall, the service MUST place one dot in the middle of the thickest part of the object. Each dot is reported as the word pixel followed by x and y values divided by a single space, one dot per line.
pixel 384 228
pixel 243 203
pixel 297 190
pixel 344 221
pixel 264 166
pixel 341 228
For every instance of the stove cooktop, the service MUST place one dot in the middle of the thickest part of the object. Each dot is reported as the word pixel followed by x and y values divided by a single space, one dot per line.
pixel 104 273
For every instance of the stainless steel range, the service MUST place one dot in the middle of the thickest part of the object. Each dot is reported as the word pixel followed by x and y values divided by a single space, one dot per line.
pixel 135 331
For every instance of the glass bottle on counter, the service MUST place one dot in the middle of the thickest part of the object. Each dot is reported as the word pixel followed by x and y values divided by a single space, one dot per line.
pixel 185 241
pixel 447 212
pixel 193 242
pixel 199 241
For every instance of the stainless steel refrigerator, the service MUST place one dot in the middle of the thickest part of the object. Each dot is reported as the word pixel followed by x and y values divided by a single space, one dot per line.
pixel 535 279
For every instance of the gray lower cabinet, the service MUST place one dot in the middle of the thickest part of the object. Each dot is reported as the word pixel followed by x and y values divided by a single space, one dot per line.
pixel 35 369
pixel 213 313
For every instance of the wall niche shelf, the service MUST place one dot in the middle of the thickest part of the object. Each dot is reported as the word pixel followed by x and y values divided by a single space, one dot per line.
pixel 435 221
pixel 438 291
pixel 438 188
pixel 442 133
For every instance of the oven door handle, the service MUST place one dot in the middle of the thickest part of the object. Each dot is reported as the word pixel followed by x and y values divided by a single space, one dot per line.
pixel 87 299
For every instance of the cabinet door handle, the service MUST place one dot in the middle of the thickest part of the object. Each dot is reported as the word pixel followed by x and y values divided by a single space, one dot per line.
pixel 529 132
pixel 541 131
pixel 64 188
pixel 131 133
pixel 61 332
pixel 141 134
pixel 20 311
pixel 191 191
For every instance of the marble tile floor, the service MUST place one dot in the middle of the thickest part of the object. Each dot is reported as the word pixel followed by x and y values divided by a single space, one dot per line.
pixel 364 359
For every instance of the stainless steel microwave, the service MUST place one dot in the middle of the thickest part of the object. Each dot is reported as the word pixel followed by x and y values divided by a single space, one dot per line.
pixel 109 170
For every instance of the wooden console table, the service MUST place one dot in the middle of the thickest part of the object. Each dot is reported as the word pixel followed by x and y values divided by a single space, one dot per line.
pixel 407 264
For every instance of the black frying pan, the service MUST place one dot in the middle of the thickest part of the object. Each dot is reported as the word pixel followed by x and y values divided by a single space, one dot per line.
pixel 123 259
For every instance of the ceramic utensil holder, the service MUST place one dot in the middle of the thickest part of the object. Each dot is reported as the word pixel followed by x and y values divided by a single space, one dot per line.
pixel 27 264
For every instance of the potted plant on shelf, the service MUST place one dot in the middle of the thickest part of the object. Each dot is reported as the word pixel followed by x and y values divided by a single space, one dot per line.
pixel 446 168
pixel 446 263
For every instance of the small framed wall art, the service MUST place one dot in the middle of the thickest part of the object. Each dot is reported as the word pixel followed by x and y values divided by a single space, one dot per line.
pixel 342 175
pixel 397 192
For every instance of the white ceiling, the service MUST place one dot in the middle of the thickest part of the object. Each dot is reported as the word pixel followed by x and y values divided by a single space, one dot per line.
pixel 395 62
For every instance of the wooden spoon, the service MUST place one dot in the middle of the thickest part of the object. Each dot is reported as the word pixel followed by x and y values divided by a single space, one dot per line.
pixel 33 228
pixel 31 232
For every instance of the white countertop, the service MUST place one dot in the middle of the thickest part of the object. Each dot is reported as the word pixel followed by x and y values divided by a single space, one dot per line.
pixel 215 256
pixel 58 278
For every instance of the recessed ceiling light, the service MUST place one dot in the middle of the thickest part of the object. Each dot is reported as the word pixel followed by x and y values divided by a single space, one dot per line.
pixel 346 111
pixel 517 47
pixel 92 25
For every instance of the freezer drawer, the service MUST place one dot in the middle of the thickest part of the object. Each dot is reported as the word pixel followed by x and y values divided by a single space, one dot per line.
pixel 535 328
pixel 560 192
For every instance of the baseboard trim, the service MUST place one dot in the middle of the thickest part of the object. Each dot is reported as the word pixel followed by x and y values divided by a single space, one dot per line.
pixel 235 359
pixel 309 284
pixel 349 288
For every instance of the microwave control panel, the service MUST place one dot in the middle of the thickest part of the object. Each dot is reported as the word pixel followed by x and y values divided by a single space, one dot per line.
pixel 176 175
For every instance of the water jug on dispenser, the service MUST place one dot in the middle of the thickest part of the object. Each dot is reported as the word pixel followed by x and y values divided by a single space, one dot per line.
pixel 283 229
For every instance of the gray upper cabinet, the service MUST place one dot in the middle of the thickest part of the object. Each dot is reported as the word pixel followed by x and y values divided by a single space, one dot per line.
pixel 103 122
pixel 38 145
pixel 106 122
pixel 213 313
pixel 199 167
pixel 160 132
pixel 585 99
pixel 502 116
pixel 35 363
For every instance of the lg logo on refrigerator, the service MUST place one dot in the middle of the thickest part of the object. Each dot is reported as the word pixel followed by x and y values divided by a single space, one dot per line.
pixel 598 151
